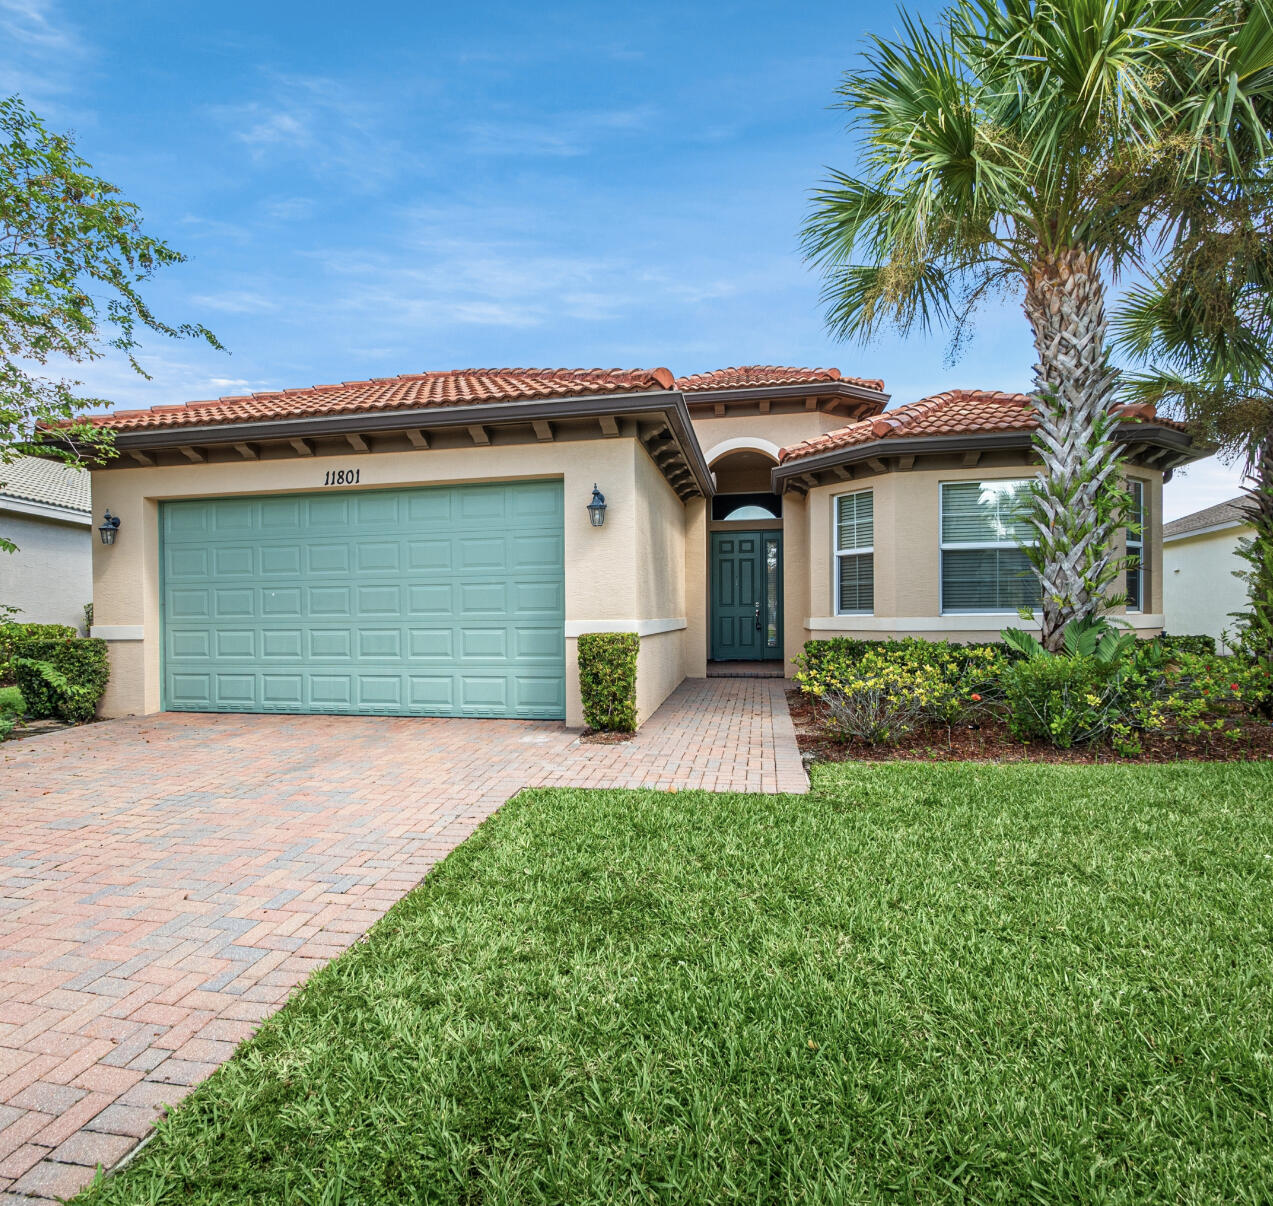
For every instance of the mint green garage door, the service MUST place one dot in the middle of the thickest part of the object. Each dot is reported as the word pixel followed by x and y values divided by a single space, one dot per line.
pixel 443 601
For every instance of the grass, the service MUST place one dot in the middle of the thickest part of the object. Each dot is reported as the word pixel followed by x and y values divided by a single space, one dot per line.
pixel 954 983
pixel 11 700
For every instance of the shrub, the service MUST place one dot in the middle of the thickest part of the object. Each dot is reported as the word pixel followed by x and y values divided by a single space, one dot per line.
pixel 1186 644
pixel 63 678
pixel 1066 701
pixel 895 686
pixel 607 680
pixel 13 634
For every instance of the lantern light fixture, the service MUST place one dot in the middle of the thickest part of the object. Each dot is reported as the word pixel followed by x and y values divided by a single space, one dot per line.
pixel 597 508
pixel 109 528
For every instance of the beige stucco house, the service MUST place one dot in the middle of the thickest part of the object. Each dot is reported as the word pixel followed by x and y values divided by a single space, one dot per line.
pixel 1201 590
pixel 422 545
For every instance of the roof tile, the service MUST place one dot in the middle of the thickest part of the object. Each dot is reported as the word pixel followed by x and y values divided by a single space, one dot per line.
pixel 955 412
pixel 751 375
pixel 45 481
pixel 414 392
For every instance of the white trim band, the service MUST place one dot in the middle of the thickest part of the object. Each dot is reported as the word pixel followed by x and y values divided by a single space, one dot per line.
pixel 26 506
pixel 963 622
pixel 118 632
pixel 576 628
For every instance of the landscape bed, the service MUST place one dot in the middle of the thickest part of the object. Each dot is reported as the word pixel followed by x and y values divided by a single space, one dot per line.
pixel 990 741
pixel 957 982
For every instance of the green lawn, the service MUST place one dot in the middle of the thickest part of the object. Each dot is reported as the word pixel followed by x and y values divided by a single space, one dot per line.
pixel 951 983
pixel 11 700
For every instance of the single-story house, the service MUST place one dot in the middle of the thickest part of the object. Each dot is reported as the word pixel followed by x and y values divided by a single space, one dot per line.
pixel 44 510
pixel 424 545
pixel 1200 561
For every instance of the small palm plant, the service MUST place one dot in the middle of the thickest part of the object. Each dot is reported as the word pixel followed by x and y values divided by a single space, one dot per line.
pixel 1043 148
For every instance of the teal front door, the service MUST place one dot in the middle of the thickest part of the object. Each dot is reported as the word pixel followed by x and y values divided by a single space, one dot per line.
pixel 746 596
pixel 436 601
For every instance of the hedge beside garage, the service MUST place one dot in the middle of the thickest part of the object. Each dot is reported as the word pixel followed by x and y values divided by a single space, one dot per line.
pixel 607 680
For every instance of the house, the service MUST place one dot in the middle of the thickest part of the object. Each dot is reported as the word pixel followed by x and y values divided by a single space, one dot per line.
pixel 1200 559
pixel 423 545
pixel 44 510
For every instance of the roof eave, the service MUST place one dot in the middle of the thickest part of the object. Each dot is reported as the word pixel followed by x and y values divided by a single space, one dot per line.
pixel 806 389
pixel 1139 432
pixel 669 403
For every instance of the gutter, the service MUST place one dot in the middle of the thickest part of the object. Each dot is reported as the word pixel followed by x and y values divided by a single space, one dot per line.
pixel 810 389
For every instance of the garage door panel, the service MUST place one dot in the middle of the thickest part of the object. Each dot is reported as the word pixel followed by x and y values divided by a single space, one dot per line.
pixel 432 601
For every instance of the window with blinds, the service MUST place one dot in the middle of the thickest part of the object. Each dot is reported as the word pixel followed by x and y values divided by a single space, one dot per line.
pixel 983 566
pixel 1136 546
pixel 855 553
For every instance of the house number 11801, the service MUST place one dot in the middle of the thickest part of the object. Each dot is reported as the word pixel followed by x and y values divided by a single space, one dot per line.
pixel 341 477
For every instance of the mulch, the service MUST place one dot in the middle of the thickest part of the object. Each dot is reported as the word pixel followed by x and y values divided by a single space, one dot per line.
pixel 991 742
pixel 603 737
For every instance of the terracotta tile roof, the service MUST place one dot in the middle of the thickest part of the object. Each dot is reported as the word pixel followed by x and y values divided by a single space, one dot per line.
pixel 458 387
pixel 750 375
pixel 33 479
pixel 955 412
pixel 1226 514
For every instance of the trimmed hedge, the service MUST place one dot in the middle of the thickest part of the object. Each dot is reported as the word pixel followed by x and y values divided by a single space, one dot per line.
pixel 823 658
pixel 1206 645
pixel 63 678
pixel 607 680
pixel 12 635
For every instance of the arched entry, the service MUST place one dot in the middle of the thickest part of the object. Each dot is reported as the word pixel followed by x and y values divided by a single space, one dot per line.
pixel 745 557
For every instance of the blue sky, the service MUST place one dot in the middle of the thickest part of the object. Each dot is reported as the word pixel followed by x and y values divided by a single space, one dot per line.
pixel 365 190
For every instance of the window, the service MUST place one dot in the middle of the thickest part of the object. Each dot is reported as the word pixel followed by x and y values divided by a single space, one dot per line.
pixel 983 567
pixel 855 553
pixel 1136 546
pixel 738 514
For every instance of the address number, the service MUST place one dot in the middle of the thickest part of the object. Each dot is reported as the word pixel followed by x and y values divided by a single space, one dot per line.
pixel 341 477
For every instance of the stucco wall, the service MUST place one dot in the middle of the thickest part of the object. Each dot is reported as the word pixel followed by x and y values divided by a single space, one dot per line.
pixel 50 577
pixel 907 559
pixel 1199 589
pixel 602 575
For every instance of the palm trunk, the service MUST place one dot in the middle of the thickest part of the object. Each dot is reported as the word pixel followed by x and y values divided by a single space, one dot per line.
pixel 1074 388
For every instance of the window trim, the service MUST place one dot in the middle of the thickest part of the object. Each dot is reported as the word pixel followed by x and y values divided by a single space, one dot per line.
pixel 943 546
pixel 1139 545
pixel 838 554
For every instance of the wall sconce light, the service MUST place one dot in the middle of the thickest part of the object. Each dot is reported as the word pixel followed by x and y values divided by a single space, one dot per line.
pixel 109 528
pixel 596 508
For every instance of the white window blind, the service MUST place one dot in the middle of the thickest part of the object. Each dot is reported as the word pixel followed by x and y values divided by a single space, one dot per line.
pixel 983 567
pixel 855 553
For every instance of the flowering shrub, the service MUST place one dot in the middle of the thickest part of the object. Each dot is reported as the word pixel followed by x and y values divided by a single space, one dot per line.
pixel 881 691
pixel 1105 687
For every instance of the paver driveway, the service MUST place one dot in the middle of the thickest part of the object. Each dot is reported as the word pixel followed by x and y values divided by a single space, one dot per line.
pixel 167 881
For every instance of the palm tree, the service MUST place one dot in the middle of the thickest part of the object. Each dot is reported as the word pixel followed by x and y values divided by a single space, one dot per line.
pixel 1043 148
pixel 1203 326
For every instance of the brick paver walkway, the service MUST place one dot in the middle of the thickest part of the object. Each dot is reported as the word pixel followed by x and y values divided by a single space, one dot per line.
pixel 166 881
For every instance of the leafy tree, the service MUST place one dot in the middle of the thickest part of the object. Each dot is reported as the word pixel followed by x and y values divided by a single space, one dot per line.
pixel 1203 325
pixel 1044 148
pixel 72 261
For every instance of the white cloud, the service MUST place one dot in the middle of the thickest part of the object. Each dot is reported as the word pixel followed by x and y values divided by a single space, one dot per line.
pixel 43 53
pixel 563 135
pixel 236 301
pixel 318 121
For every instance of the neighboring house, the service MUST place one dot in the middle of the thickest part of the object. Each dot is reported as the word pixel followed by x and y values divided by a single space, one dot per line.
pixel 1200 558
pixel 44 510
pixel 421 545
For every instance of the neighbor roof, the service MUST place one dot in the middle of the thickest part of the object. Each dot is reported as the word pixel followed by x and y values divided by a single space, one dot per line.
pixel 457 387
pixel 749 376
pixel 955 412
pixel 1222 515
pixel 51 483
